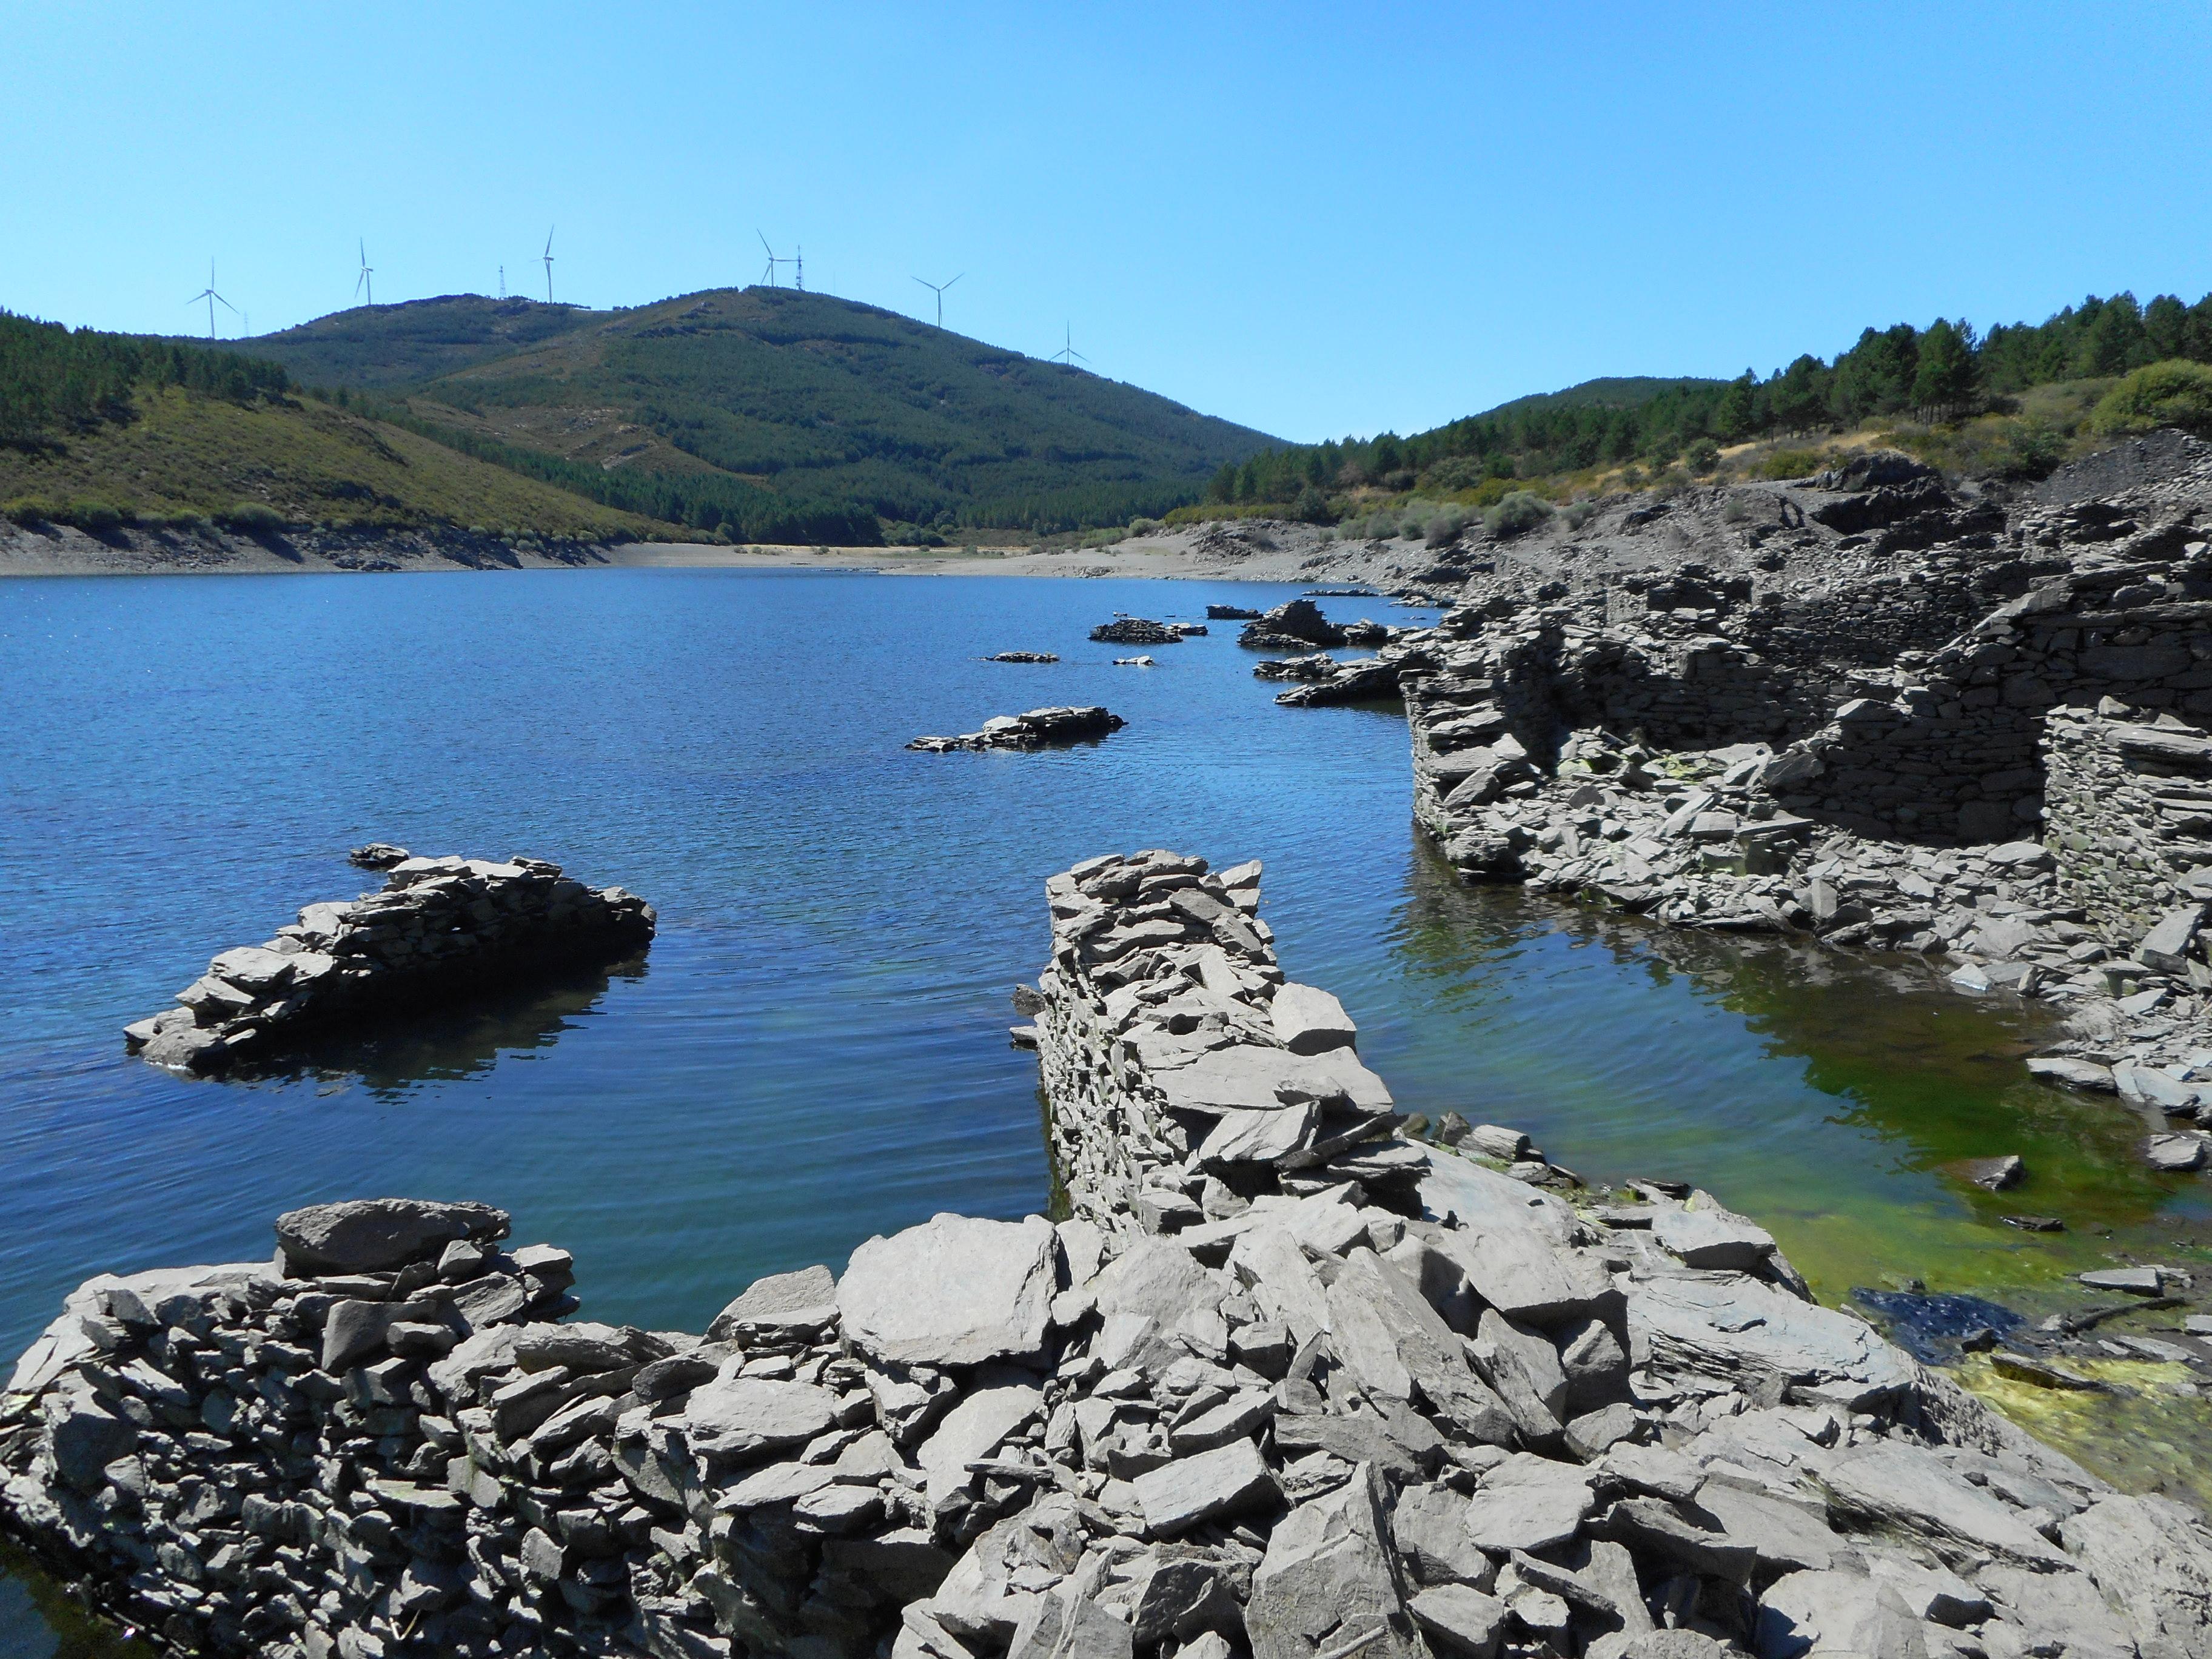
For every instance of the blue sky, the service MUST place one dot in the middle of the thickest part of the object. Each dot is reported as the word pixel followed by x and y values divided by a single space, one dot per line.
pixel 1315 220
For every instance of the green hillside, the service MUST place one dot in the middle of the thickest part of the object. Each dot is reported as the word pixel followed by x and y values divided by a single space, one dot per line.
pixel 1938 380
pixel 100 430
pixel 769 413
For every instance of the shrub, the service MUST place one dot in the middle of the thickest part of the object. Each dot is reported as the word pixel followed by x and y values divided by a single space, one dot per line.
pixel 1789 464
pixel 1517 514
pixel 1704 456
pixel 252 518
pixel 1443 526
pixel 2173 394
pixel 2031 450
pixel 1491 491
pixel 1311 506
pixel 1143 526
pixel 1578 513
pixel 96 517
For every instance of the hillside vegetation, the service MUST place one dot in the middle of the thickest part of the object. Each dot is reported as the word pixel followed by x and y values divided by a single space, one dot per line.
pixel 2016 401
pixel 102 430
pixel 768 413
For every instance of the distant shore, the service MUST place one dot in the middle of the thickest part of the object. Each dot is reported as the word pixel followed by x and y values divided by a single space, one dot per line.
pixel 1272 553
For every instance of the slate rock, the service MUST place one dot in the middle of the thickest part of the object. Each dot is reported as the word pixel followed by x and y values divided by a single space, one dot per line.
pixel 1711 1238
pixel 1528 1502
pixel 955 1290
pixel 1330 1577
pixel 373 1235
pixel 740 1418
pixel 1309 1020
pixel 1464 1619
pixel 1227 1480
pixel 780 1306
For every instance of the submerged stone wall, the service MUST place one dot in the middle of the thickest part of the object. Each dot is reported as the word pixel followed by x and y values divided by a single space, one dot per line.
pixel 440 927
pixel 1286 1384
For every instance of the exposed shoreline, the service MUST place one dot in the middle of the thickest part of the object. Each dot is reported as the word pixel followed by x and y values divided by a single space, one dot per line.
pixel 1274 553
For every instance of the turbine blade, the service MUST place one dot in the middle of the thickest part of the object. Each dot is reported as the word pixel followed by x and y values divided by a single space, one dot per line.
pixel 956 279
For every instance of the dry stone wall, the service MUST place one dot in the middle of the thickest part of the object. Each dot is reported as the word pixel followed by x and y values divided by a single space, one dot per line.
pixel 440 927
pixel 1287 1383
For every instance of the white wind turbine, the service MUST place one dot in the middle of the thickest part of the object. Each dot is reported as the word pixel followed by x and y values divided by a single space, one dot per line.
pixel 213 299
pixel 362 284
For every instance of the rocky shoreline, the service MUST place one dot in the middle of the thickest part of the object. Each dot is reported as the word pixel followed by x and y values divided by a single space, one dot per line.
pixel 51 549
pixel 1287 1382
pixel 1862 708
pixel 1040 728
pixel 440 927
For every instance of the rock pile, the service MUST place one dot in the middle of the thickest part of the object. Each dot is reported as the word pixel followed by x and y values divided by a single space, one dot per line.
pixel 1286 1385
pixel 1023 656
pixel 1040 728
pixel 1139 630
pixel 442 927
pixel 1300 624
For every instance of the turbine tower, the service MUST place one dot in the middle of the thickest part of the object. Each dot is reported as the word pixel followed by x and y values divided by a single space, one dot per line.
pixel 547 256
pixel 775 259
pixel 939 288
pixel 1068 356
pixel 213 299
pixel 364 284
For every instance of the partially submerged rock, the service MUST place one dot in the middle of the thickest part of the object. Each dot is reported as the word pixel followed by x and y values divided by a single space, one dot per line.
pixel 1040 728
pixel 442 928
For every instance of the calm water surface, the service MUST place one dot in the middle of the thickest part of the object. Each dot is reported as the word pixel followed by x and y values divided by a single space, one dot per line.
pixel 815 1048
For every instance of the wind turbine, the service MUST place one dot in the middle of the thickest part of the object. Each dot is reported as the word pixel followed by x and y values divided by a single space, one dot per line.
pixel 548 258
pixel 1068 356
pixel 775 259
pixel 939 288
pixel 213 300
pixel 367 271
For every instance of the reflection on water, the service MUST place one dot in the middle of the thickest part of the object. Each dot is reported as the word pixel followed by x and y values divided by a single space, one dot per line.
pixel 448 1043
pixel 38 1621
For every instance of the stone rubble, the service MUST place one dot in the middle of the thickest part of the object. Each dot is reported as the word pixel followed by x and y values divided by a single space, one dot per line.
pixel 1023 656
pixel 1040 728
pixel 440 927
pixel 1140 630
pixel 1287 1383
pixel 1861 708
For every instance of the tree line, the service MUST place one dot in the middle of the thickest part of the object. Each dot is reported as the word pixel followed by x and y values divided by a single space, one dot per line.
pixel 53 379
pixel 1941 372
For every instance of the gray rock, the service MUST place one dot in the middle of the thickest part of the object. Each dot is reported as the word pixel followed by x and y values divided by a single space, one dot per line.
pixel 1429 1528
pixel 1712 1238
pixel 740 1418
pixel 82 1437
pixel 1309 1020
pixel 372 1235
pixel 352 1331
pixel 1836 1615
pixel 1146 1295
pixel 2074 1073
pixel 585 1348
pixel 2152 1557
pixel 780 1306
pixel 1058 1626
pixel 1528 1502
pixel 1745 1334
pixel 1524 1367
pixel 2136 1281
pixel 1464 1620
pixel 955 1290
pixel 1386 1333
pixel 2166 945
pixel 974 1429
pixel 1227 1480
pixel 2178 1152
pixel 1993 1174
pixel 1329 1578
pixel 1526 1276
pixel 1892 1485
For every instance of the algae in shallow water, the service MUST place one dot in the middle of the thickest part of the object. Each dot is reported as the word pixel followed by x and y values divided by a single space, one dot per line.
pixel 2151 1433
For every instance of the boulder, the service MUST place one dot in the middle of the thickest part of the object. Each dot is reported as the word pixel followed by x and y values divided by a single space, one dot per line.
pixel 1227 1480
pixel 373 1235
pixel 737 1419
pixel 1711 1238
pixel 1329 1579
pixel 955 1290
pixel 780 1306
pixel 1309 1019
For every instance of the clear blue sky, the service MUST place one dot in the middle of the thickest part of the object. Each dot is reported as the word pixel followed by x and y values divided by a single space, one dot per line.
pixel 1315 220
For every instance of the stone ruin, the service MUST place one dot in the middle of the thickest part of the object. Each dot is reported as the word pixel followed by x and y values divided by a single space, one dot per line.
pixel 1287 1383
pixel 1040 728
pixel 440 927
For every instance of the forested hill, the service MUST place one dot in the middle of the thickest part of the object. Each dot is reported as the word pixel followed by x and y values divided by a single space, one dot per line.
pixel 769 413
pixel 1942 372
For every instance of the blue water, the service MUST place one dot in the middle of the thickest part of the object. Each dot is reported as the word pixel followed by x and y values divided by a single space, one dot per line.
pixel 815 1048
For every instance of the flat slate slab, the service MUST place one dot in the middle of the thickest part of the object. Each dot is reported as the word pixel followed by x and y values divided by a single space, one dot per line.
pixel 955 1290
